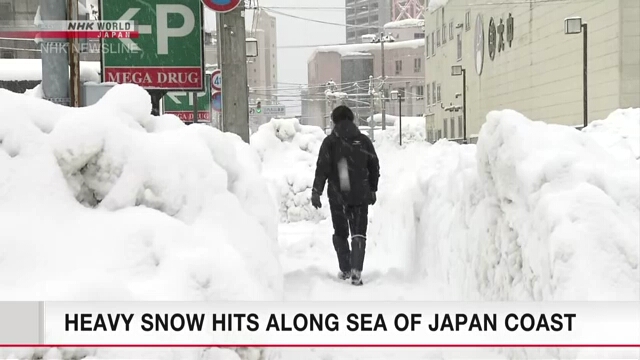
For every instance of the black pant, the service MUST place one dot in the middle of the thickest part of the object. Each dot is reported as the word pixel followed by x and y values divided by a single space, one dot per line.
pixel 348 218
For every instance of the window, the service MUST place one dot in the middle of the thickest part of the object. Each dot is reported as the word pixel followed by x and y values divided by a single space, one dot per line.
pixel 433 89
pixel 438 38
pixel 439 134
pixel 420 91
pixel 444 129
pixel 439 98
pixel 428 99
pixel 5 12
pixel 451 30
pixel 460 127
pixel 444 34
pixel 418 35
pixel 398 67
pixel 433 44
pixel 467 21
pixel 417 65
pixel 459 47
pixel 452 122
pixel 7 54
pixel 428 47
pixel 401 92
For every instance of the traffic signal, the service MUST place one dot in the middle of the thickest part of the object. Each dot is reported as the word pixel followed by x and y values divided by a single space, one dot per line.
pixel 259 107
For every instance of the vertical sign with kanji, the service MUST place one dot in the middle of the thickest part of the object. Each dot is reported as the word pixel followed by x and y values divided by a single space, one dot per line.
pixel 167 55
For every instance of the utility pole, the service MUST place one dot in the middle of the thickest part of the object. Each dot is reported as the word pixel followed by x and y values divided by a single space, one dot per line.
pixel 219 66
pixel 233 56
pixel 383 110
pixel 74 57
pixel 55 62
pixel 195 107
pixel 372 107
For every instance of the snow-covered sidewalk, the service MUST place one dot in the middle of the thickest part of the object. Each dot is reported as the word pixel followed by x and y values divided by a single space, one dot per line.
pixel 310 268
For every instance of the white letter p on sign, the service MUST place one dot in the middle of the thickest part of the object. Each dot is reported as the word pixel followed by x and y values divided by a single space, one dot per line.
pixel 164 32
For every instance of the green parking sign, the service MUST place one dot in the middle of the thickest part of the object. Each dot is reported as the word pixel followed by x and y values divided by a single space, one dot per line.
pixel 168 52
pixel 180 103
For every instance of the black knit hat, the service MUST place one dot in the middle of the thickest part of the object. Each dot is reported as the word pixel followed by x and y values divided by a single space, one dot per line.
pixel 340 113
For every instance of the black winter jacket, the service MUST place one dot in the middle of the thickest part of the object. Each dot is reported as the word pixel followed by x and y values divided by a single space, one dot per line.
pixel 348 160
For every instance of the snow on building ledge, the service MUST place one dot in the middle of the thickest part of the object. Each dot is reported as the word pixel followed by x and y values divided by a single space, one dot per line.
pixel 436 4
pixel 404 24
pixel 348 49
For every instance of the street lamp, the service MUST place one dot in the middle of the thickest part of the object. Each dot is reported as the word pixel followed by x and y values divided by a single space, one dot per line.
pixel 573 26
pixel 458 70
pixel 396 95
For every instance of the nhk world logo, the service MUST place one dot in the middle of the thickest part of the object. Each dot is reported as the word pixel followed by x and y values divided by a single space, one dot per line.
pixel 80 29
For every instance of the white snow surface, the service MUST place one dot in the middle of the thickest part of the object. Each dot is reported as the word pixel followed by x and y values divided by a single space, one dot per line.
pixel 403 24
pixel 289 151
pixel 31 69
pixel 108 202
pixel 533 212
pixel 436 4
pixel 369 47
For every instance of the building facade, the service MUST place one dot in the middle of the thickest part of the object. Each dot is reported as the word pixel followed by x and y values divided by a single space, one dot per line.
pixel 517 56
pixel 364 17
pixel 350 68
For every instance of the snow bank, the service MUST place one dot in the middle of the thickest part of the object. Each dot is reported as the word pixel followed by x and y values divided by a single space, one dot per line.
pixel 289 151
pixel 31 69
pixel 534 212
pixel 109 203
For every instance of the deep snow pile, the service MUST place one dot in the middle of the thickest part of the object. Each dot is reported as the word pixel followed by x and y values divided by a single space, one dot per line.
pixel 533 212
pixel 109 203
pixel 289 151
pixel 414 130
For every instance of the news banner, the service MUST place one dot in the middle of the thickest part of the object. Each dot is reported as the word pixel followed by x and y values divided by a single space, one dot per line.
pixel 320 324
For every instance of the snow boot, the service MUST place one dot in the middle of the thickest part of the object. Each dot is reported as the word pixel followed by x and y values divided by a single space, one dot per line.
pixel 358 245
pixel 344 275
pixel 341 245
pixel 356 278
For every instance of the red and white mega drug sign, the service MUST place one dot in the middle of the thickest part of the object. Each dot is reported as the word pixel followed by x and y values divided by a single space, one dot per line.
pixel 321 324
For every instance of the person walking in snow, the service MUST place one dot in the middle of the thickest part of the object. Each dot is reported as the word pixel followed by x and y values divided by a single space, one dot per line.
pixel 348 162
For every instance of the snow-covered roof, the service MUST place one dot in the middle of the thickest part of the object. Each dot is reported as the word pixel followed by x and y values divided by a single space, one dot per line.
pixel 346 49
pixel 31 69
pixel 403 24
pixel 355 53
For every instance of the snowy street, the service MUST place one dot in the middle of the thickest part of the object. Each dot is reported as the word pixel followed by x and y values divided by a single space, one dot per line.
pixel 130 206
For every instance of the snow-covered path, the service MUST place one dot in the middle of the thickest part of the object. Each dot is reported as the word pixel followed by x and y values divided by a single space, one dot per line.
pixel 311 267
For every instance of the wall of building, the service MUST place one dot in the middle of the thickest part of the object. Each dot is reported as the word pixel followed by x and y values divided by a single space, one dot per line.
pixel 630 45
pixel 540 72
pixel 355 73
pixel 326 64
pixel 365 17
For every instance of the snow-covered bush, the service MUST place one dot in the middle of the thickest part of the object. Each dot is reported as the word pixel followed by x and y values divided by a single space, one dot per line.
pixel 109 203
pixel 289 152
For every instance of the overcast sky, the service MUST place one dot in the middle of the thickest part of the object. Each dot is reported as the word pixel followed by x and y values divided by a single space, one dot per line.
pixel 292 62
